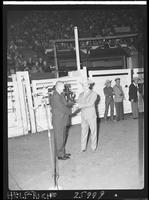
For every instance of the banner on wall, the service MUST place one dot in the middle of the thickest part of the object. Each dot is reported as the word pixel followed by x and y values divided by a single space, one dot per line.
pixel 123 29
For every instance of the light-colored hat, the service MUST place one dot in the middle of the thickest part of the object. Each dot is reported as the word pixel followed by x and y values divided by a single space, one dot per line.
pixel 135 78
pixel 86 82
pixel 107 81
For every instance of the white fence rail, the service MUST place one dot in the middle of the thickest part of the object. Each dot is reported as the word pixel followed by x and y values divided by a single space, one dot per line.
pixel 138 72
pixel 38 88
pixel 25 110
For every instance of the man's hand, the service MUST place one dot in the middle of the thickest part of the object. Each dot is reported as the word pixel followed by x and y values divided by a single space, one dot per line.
pixel 76 106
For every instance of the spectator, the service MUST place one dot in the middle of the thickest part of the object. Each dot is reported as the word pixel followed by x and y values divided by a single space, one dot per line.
pixel 133 97
pixel 34 68
pixel 118 99
pixel 108 92
pixel 37 28
pixel 141 87
pixel 30 63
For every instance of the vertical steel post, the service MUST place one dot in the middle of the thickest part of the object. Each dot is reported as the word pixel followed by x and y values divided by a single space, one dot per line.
pixel 55 59
pixel 52 151
pixel 77 47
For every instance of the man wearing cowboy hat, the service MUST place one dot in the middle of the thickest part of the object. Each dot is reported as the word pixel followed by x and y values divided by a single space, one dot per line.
pixel 118 99
pixel 86 102
pixel 108 92
pixel 133 97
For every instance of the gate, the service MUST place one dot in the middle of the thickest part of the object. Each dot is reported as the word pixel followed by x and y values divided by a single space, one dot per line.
pixel 16 126
pixel 40 88
pixel 20 106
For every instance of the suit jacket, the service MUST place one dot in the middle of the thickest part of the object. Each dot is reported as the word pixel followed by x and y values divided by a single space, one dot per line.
pixel 108 92
pixel 118 93
pixel 59 109
pixel 87 104
pixel 133 93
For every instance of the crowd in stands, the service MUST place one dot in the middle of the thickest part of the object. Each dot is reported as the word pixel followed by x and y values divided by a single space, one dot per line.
pixel 16 62
pixel 37 29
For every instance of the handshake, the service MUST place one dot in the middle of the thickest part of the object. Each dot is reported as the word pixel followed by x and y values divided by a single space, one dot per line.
pixel 75 109
pixel 76 106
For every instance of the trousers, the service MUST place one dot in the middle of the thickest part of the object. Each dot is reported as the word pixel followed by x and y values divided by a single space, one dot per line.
pixel 119 110
pixel 135 110
pixel 85 125
pixel 109 102
pixel 60 135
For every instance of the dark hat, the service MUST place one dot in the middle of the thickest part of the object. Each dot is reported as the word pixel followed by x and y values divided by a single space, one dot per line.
pixel 117 79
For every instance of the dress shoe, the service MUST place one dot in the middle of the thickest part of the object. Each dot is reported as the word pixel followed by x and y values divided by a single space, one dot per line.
pixel 63 158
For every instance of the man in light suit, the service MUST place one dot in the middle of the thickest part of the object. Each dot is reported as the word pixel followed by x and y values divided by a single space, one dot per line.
pixel 118 99
pixel 60 120
pixel 86 102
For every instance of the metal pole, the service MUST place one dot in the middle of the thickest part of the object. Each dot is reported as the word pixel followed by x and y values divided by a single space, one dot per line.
pixel 53 155
pixel 55 58
pixel 77 47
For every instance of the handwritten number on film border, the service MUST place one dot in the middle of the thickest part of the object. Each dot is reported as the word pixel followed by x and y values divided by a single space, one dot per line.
pixel 88 195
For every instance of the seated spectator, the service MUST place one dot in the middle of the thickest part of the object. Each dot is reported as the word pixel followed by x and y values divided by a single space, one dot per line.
pixel 30 63
pixel 36 29
pixel 34 69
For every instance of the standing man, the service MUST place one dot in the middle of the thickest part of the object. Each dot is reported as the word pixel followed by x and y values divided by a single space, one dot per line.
pixel 60 119
pixel 133 97
pixel 108 92
pixel 141 87
pixel 86 102
pixel 118 99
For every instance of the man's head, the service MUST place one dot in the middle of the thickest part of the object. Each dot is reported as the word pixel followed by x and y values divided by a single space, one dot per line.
pixel 86 85
pixel 59 87
pixel 108 83
pixel 136 80
pixel 117 80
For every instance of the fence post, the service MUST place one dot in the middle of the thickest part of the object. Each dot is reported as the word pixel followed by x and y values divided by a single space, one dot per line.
pixel 26 101
pixel 17 103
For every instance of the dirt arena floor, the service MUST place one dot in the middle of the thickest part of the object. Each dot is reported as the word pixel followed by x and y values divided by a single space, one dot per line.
pixel 116 164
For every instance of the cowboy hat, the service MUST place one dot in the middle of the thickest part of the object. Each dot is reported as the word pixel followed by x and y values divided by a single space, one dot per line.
pixel 107 81
pixel 87 82
pixel 136 78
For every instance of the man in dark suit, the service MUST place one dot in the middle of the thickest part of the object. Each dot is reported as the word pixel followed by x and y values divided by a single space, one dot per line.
pixel 60 120
pixel 133 97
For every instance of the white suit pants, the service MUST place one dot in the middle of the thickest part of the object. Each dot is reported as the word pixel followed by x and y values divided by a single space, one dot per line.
pixel 85 125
